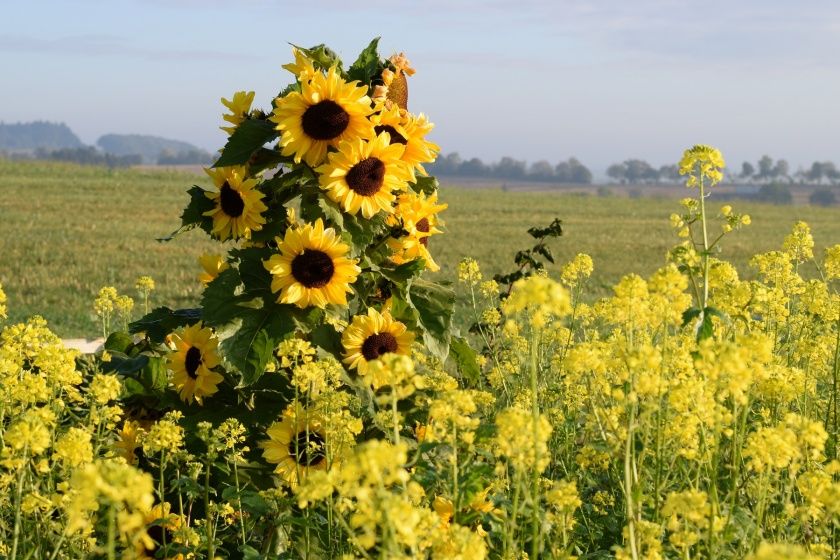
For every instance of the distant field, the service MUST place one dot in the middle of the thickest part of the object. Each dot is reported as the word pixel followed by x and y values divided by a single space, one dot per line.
pixel 66 230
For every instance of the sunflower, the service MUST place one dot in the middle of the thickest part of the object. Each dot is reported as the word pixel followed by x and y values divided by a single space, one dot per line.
pixel 239 106
pixel 127 445
pixel 238 204
pixel 213 265
pixel 417 216
pixel 161 527
pixel 297 444
pixel 364 174
pixel 408 130
pixel 302 67
pixel 326 111
pixel 312 267
pixel 192 361
pixel 370 336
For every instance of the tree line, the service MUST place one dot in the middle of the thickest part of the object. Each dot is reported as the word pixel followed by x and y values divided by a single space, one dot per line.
pixel 569 171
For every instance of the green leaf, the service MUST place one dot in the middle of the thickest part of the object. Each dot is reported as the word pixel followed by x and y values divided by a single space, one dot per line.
pixel 706 327
pixel 332 212
pixel 366 66
pixel 403 272
pixel 250 347
pixel 425 184
pixel 162 321
pixel 689 315
pixel 465 358
pixel 434 304
pixel 153 375
pixel 220 304
pixel 322 56
pixel 265 158
pixel 193 214
pixel 326 337
pixel 249 136
pixel 124 365
pixel 119 342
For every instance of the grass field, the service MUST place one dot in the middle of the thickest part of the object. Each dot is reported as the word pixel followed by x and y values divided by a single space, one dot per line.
pixel 66 230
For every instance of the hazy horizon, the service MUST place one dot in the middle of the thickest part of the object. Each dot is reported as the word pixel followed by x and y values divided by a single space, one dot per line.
pixel 535 79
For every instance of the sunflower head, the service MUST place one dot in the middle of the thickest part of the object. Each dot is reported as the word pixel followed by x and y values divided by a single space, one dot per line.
pixel 326 111
pixel 302 67
pixel 238 205
pixel 417 215
pixel 213 265
pixel 239 106
pixel 297 444
pixel 192 362
pixel 373 335
pixel 364 174
pixel 161 528
pixel 312 267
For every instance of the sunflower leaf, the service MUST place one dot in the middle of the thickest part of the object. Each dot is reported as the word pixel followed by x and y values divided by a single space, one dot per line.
pixel 465 359
pixel 321 56
pixel 250 347
pixel 193 214
pixel 366 66
pixel 220 304
pixel 249 137
pixel 425 184
pixel 161 321
pixel 434 304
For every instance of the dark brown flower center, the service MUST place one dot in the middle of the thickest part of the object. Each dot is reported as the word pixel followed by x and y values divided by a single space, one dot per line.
pixel 367 176
pixel 325 120
pixel 396 137
pixel 423 225
pixel 313 268
pixel 377 344
pixel 157 534
pixel 309 449
pixel 231 201
pixel 192 361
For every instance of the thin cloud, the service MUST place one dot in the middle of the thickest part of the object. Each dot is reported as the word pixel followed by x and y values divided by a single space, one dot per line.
pixel 109 45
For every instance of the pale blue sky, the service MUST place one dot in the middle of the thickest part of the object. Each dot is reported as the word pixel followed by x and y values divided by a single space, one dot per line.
pixel 535 79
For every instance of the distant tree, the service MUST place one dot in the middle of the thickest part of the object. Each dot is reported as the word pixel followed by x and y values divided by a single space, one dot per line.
pixel 831 172
pixel 89 156
pixel 510 168
pixel 669 173
pixel 580 173
pixel 617 171
pixel 639 171
pixel 781 170
pixel 815 173
pixel 823 197
pixel 765 168
pixel 747 171
pixel 775 193
pixel 473 168
pixel 189 157
pixel 541 171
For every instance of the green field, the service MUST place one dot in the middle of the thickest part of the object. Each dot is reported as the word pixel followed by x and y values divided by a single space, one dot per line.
pixel 66 230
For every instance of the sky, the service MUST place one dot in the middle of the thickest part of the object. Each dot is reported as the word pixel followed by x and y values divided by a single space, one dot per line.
pixel 532 79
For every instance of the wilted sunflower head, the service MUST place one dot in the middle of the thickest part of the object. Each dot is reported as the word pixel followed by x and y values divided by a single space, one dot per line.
pixel 312 267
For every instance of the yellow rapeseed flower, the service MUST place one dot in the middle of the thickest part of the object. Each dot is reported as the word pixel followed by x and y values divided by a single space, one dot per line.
pixel 704 161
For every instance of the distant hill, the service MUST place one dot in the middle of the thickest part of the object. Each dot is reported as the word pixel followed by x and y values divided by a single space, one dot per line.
pixel 150 147
pixel 22 137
